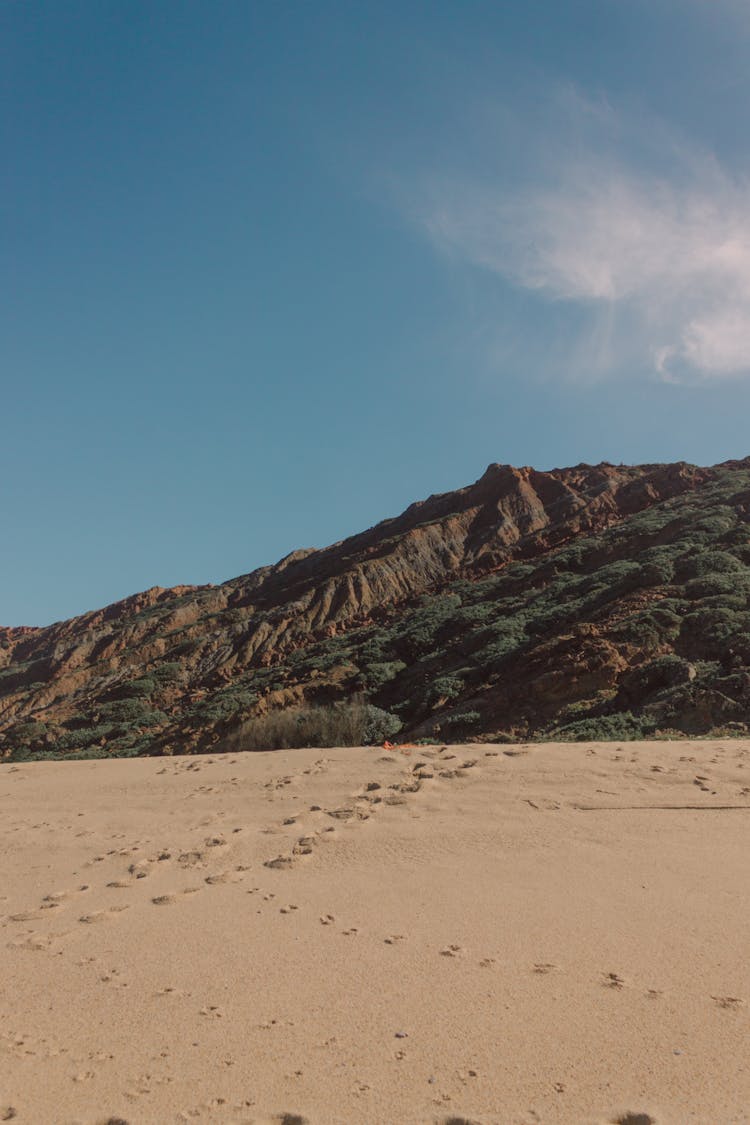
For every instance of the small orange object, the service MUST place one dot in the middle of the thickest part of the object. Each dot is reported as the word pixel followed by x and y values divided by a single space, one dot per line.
pixel 388 745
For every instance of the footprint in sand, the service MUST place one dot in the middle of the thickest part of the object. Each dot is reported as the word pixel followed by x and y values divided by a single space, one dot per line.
pixel 57 898
pixel 542 968
pixel 38 942
pixel 371 798
pixel 278 782
pixel 83 1076
pixel 451 951
pixel 457 1120
pixel 190 859
pixel 279 864
pixel 113 977
pixel 730 1003
pixel 274 1024
pixel 102 915
pixel 613 980
pixel 220 877
pixel 342 813
pixel 172 896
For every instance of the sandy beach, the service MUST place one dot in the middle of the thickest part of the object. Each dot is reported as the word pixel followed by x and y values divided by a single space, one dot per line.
pixel 507 935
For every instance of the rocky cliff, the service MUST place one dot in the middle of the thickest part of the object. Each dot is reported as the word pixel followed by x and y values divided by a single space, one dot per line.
pixel 602 598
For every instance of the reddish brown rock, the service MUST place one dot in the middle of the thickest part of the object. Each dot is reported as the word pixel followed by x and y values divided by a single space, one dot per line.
pixel 215 636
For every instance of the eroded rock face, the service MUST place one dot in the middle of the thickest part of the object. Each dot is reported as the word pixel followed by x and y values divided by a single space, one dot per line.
pixel 178 650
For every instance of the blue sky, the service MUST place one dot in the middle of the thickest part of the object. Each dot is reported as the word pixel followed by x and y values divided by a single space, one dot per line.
pixel 272 271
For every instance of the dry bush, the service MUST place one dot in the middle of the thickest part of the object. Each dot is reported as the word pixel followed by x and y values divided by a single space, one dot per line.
pixel 303 726
pixel 340 724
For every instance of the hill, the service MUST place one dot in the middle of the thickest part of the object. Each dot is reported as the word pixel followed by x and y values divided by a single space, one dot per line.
pixel 589 602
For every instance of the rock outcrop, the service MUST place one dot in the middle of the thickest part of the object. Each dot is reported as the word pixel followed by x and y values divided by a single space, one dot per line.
pixel 175 670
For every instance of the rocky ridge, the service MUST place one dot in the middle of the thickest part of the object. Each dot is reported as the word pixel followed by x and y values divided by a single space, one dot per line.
pixel 467 590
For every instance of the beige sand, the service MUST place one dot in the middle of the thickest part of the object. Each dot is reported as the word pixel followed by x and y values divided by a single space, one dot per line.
pixel 551 934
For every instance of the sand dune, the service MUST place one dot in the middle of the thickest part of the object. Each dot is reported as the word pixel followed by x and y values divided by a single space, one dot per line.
pixel 525 936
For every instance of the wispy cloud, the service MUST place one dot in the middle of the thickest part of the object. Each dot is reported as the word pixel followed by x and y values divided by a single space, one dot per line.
pixel 656 265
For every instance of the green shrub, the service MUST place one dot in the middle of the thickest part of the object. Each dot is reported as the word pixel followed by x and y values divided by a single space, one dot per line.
pixel 167 673
pixel 144 686
pixel 126 711
pixel 740 645
pixel 379 725
pixel 28 731
pixel 650 629
pixel 464 719
pixel 618 576
pixel 85 736
pixel 656 572
pixel 623 727
pixel 713 585
pixel 665 671
pixel 710 630
pixel 375 676
pixel 422 627
pixel 706 564
pixel 493 643
pixel 377 648
pixel 444 688
pixel 477 614
pixel 318 660
pixel 223 704
pixel 21 753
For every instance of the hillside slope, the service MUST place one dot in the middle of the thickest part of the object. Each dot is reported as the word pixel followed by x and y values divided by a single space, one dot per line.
pixel 597 599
